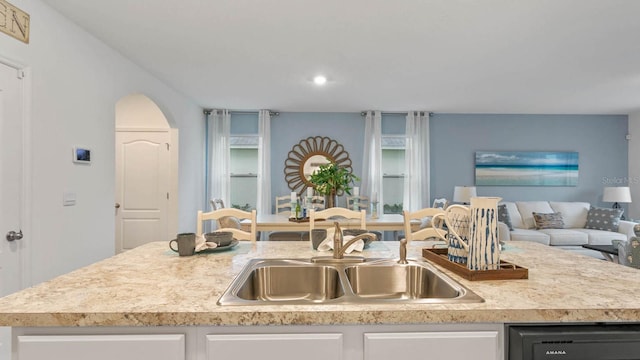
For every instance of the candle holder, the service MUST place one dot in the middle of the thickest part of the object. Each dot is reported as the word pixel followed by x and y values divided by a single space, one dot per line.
pixel 293 211
pixel 309 203
pixel 374 209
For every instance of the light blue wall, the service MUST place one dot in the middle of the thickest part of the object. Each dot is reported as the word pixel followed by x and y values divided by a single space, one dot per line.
pixel 394 124
pixel 288 129
pixel 599 140
pixel 242 123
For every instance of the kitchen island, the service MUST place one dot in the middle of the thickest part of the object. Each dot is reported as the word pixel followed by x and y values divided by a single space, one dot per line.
pixel 151 290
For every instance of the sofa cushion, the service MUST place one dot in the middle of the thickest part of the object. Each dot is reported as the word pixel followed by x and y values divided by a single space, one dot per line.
pixel 574 214
pixel 527 208
pixel 548 221
pixel 514 215
pixel 529 235
pixel 603 219
pixel 503 215
pixel 563 237
pixel 601 237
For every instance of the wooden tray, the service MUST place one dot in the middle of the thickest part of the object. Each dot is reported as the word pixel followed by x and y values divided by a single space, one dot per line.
pixel 302 220
pixel 507 271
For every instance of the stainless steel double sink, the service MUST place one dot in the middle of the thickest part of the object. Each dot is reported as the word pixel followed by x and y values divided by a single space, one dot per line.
pixel 357 281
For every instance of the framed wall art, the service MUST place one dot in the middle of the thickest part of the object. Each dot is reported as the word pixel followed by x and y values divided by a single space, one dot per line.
pixel 526 168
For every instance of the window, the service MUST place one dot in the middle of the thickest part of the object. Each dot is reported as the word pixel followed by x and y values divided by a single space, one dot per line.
pixel 393 164
pixel 244 171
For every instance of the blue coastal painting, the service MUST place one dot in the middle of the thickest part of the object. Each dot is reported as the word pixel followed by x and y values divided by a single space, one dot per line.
pixel 526 168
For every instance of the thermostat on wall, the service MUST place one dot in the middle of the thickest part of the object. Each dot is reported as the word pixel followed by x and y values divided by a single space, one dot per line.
pixel 81 155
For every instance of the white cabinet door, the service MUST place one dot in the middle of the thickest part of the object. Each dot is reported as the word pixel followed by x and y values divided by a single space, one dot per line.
pixel 275 347
pixel 476 345
pixel 102 347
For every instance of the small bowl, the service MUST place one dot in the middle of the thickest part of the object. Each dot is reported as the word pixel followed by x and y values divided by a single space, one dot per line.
pixel 221 238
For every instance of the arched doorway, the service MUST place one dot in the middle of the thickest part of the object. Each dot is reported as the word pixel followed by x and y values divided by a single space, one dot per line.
pixel 146 184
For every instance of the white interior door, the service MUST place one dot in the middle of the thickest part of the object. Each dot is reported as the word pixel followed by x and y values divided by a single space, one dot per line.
pixel 142 187
pixel 11 187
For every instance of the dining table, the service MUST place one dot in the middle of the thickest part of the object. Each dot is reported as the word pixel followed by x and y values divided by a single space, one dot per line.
pixel 279 222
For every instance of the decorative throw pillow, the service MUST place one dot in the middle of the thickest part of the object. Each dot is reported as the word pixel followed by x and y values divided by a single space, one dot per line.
pixel 603 219
pixel 633 252
pixel 228 222
pixel 548 221
pixel 503 215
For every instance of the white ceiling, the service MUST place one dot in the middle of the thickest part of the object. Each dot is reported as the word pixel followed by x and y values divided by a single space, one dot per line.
pixel 454 56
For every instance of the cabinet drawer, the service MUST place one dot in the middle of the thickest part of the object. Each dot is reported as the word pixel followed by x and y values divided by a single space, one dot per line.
pixel 102 347
pixel 275 346
pixel 477 345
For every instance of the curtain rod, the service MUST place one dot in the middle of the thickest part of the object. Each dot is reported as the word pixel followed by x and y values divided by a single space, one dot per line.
pixel 364 113
pixel 276 113
pixel 272 113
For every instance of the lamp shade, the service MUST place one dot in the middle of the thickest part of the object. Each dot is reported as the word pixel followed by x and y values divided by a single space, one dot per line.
pixel 620 194
pixel 463 194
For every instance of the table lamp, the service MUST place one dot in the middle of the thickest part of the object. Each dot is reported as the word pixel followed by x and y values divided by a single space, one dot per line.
pixel 463 194
pixel 617 195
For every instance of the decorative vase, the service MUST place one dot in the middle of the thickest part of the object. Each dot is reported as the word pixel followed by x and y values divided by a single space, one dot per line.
pixel 331 200
pixel 484 246
pixel 374 210
pixel 458 219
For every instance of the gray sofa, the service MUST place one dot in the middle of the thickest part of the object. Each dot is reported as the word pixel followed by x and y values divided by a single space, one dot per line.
pixel 574 233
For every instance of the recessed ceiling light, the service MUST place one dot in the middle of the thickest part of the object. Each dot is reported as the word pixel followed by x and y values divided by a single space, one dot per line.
pixel 319 80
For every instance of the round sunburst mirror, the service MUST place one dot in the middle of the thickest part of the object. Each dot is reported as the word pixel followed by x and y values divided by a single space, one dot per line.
pixel 307 156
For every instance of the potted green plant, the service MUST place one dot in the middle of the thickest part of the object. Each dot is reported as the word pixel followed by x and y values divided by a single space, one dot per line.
pixel 331 180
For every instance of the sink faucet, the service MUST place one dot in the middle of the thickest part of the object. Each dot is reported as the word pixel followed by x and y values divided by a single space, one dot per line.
pixel 403 252
pixel 338 247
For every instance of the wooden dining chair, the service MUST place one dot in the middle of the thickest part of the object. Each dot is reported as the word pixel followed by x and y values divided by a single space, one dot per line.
pixel 317 202
pixel 217 204
pixel 283 205
pixel 441 203
pixel 337 213
pixel 230 213
pixel 363 202
pixel 436 216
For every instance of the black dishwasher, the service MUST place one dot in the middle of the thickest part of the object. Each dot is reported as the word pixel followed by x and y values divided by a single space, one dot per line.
pixel 573 342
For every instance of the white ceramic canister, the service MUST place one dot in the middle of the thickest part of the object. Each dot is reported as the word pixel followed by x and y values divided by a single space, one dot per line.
pixel 484 246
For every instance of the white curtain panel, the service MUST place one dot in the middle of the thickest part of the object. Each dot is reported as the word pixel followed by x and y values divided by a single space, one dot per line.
pixel 416 178
pixel 372 156
pixel 219 157
pixel 264 162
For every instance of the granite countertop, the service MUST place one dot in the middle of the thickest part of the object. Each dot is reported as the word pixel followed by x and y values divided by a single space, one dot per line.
pixel 151 285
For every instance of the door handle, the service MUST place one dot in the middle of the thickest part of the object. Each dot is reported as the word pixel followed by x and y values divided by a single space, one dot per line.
pixel 117 205
pixel 12 235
